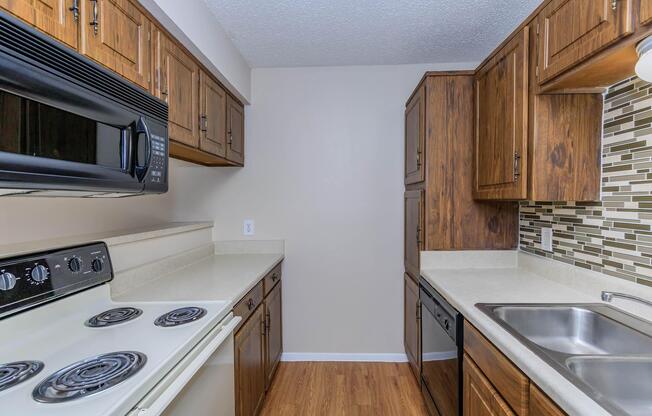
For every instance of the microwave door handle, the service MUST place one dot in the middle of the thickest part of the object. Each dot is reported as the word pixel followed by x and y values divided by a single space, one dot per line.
pixel 126 151
pixel 141 128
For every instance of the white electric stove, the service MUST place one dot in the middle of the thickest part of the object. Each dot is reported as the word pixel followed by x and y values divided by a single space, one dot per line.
pixel 68 349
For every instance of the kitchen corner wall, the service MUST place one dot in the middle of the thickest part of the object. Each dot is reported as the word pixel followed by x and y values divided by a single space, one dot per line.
pixel 612 236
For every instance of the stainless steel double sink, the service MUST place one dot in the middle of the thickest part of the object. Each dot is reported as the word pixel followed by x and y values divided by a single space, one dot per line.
pixel 605 352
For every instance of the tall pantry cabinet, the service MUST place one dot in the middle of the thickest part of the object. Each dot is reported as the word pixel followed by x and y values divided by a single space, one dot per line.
pixel 440 212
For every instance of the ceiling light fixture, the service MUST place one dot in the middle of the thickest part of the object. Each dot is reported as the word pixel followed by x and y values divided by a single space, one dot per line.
pixel 644 65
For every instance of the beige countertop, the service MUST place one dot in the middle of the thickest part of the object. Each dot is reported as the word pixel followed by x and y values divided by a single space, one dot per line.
pixel 225 277
pixel 463 288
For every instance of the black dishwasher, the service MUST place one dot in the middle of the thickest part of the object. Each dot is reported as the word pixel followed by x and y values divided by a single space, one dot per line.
pixel 441 353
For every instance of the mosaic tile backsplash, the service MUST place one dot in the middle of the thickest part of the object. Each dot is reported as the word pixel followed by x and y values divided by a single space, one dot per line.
pixel 614 235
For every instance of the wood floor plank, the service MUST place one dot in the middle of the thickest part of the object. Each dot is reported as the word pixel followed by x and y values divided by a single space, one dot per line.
pixel 344 389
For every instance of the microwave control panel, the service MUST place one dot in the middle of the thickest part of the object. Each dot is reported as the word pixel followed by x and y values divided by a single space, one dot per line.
pixel 158 162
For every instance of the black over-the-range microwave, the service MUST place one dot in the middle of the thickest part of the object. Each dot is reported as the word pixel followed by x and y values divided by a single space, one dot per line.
pixel 68 127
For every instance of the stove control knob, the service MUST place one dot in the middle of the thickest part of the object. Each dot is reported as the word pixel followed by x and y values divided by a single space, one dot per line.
pixel 39 273
pixel 7 281
pixel 75 264
pixel 97 265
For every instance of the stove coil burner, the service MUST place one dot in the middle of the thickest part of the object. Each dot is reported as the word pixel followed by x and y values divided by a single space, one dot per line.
pixel 180 316
pixel 17 372
pixel 113 317
pixel 89 376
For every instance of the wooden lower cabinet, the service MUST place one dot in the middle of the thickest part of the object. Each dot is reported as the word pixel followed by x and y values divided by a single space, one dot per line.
pixel 412 324
pixel 258 343
pixel 480 397
pixel 493 385
pixel 541 405
pixel 273 333
pixel 250 365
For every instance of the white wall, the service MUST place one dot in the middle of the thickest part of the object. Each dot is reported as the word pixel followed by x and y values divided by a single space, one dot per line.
pixel 324 171
pixel 195 26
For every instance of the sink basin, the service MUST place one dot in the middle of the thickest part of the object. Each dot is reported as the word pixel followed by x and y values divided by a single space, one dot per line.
pixel 574 330
pixel 603 351
pixel 627 381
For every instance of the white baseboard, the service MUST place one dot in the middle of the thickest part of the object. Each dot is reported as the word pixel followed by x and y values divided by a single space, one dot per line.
pixel 324 356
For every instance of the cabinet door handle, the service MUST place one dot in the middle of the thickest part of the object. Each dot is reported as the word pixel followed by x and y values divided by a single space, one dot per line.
pixel 614 5
pixel 230 141
pixel 419 241
pixel 268 322
pixel 203 123
pixel 95 23
pixel 75 10
pixel 250 304
pixel 517 166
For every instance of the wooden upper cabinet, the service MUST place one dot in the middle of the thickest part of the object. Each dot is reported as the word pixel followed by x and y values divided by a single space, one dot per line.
pixel 414 224
pixel 235 131
pixel 212 102
pixel 645 12
pixel 178 85
pixel 250 365
pixel 57 18
pixel 411 324
pixel 274 333
pixel 501 124
pixel 572 30
pixel 117 34
pixel 415 137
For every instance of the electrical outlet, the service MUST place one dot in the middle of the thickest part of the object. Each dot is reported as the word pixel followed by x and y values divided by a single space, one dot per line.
pixel 546 239
pixel 248 227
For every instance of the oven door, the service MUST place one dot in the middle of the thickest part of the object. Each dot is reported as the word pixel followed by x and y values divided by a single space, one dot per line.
pixel 440 368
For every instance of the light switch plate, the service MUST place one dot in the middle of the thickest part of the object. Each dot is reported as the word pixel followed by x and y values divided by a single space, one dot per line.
pixel 248 227
pixel 546 239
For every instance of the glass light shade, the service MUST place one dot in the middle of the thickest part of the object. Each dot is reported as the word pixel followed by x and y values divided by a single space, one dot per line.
pixel 644 65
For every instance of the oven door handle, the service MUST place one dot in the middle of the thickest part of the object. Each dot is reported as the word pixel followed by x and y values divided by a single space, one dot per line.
pixel 159 398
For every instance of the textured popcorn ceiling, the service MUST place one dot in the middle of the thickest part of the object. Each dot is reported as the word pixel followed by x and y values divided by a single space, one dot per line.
pixel 279 33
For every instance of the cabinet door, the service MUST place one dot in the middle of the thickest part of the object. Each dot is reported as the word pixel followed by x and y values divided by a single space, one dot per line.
pixel 250 365
pixel 501 89
pixel 415 133
pixel 57 18
pixel 480 398
pixel 413 243
pixel 645 14
pixel 212 102
pixel 573 30
pixel 117 34
pixel 178 85
pixel 235 131
pixel 412 324
pixel 274 331
pixel 541 405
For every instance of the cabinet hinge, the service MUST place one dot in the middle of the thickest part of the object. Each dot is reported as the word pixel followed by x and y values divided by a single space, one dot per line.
pixel 517 166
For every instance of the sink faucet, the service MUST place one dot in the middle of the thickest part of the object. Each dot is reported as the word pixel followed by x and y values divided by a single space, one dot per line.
pixel 609 296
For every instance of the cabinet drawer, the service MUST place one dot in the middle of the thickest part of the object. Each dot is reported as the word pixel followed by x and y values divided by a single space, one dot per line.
pixel 480 396
pixel 249 303
pixel 541 405
pixel 510 382
pixel 272 278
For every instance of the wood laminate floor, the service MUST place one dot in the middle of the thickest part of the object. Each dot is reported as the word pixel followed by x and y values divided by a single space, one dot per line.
pixel 351 389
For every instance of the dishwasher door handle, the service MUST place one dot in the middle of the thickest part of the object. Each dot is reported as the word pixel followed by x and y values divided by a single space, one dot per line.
pixel 158 399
